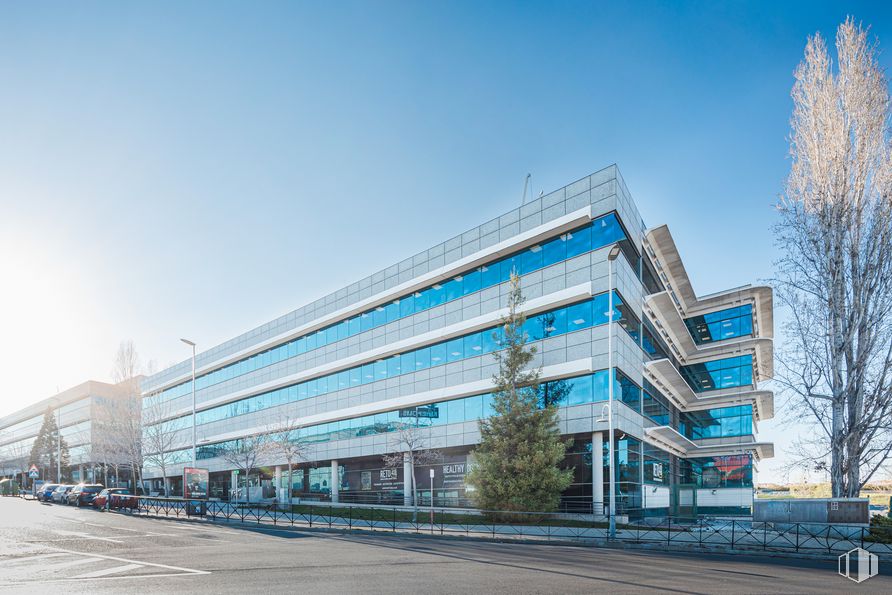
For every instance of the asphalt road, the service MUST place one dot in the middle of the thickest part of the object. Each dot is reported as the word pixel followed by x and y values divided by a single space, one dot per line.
pixel 51 548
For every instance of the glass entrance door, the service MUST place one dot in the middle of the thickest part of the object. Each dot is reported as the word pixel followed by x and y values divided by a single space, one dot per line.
pixel 685 501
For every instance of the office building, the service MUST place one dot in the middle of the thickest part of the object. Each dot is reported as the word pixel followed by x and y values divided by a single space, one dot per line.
pixel 412 345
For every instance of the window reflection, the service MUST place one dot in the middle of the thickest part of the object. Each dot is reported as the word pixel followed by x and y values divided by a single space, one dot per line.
pixel 718 374
pixel 601 232
pixel 724 324
pixel 570 391
pixel 553 323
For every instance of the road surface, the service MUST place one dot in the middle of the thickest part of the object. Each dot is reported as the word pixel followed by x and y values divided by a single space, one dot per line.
pixel 53 548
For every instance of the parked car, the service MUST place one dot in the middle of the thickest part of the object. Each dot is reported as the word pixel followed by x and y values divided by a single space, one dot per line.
pixel 102 498
pixel 45 492
pixel 60 493
pixel 83 493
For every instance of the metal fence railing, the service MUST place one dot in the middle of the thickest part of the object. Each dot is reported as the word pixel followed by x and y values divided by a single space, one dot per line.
pixel 671 532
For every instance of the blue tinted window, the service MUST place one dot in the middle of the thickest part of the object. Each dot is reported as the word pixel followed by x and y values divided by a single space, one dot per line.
pixel 422 358
pixel 721 325
pixel 438 354
pixel 473 344
pixel 490 275
pixel 531 260
pixel 599 233
pixel 554 251
pixel 579 316
pixel 719 374
pixel 471 282
pixel 455 350
pixel 578 242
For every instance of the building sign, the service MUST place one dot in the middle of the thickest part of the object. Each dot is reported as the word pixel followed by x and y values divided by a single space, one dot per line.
pixel 454 475
pixel 429 412
pixel 365 481
pixel 195 483
pixel 658 471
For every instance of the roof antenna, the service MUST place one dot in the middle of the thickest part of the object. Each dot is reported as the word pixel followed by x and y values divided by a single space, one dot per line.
pixel 526 184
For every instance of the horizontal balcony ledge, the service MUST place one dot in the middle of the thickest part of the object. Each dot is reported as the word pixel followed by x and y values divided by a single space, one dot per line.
pixel 670 439
pixel 661 308
pixel 555 372
pixel 534 306
pixel 665 376
pixel 664 252
pixel 503 248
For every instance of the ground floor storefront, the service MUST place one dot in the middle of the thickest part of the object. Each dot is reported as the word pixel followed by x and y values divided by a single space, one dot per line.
pixel 649 481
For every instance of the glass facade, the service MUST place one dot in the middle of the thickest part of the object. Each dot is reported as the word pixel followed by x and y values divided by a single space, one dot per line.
pixel 722 325
pixel 599 233
pixel 731 471
pixel 548 324
pixel 656 406
pixel 718 374
pixel 725 422
pixel 656 465
pixel 573 391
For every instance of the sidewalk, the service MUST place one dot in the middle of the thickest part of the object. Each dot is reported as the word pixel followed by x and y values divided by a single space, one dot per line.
pixel 739 537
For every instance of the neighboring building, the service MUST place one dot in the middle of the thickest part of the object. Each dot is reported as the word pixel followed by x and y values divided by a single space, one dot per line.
pixel 81 413
pixel 412 344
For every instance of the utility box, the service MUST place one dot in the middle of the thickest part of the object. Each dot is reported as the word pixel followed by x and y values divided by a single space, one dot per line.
pixel 843 511
pixel 196 508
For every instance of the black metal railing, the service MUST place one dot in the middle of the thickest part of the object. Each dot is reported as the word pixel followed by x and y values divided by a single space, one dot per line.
pixel 672 532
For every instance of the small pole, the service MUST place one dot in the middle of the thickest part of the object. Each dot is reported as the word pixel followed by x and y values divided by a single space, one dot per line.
pixel 432 499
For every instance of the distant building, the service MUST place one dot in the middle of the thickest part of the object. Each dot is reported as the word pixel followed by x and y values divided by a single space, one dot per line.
pixel 413 344
pixel 82 414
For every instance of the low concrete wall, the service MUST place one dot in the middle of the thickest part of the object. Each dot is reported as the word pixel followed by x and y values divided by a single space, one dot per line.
pixel 813 510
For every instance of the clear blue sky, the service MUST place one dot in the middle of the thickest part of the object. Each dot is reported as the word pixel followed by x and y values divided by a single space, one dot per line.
pixel 195 169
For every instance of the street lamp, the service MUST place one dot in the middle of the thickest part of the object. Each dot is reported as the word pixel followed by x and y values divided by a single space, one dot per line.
pixel 611 376
pixel 191 344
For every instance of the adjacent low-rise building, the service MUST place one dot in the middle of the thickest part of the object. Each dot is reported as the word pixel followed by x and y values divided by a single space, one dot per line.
pixel 83 415
pixel 411 346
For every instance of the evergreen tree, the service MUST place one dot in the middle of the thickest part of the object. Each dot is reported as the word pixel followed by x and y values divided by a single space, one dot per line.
pixel 516 465
pixel 47 446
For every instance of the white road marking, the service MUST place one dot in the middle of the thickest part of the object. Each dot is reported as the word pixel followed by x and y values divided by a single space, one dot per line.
pixel 107 571
pixel 7 563
pixel 188 526
pixel 69 563
pixel 156 565
pixel 80 535
pixel 114 528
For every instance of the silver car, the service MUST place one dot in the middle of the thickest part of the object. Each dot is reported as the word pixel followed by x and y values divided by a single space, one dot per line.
pixel 60 493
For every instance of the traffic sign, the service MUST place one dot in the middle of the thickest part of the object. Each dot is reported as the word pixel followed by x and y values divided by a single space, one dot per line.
pixel 33 473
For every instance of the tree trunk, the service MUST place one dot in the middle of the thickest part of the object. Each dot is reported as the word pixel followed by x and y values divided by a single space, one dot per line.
pixel 290 484
pixel 837 456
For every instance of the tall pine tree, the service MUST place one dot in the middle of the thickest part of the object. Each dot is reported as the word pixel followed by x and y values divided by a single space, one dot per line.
pixel 517 464
pixel 47 447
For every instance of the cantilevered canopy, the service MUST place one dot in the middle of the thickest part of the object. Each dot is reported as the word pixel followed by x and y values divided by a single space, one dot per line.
pixel 666 377
pixel 670 439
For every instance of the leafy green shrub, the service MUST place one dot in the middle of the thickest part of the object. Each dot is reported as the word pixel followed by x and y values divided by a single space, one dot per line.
pixel 880 529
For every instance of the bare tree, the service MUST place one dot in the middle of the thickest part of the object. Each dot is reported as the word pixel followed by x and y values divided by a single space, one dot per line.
pixel 159 435
pixel 125 430
pixel 410 443
pixel 244 454
pixel 284 440
pixel 18 460
pixel 835 274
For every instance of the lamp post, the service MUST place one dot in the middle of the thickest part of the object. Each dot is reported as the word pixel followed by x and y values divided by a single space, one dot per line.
pixel 191 344
pixel 611 377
